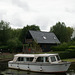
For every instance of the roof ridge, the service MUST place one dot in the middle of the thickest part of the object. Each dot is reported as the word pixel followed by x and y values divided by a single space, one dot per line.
pixel 40 31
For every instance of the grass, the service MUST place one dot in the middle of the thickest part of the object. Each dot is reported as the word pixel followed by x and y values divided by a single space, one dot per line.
pixel 69 60
pixel 5 56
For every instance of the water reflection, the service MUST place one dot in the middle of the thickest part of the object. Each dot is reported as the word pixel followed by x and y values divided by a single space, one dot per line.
pixel 5 71
pixel 3 66
pixel 18 72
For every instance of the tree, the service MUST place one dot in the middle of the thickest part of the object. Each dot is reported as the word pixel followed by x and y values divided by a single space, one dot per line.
pixel 73 39
pixel 26 29
pixel 15 33
pixel 13 44
pixel 62 32
pixel 69 33
pixel 34 27
pixel 4 32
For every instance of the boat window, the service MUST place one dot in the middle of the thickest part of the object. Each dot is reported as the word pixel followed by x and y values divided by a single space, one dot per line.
pixel 20 59
pixel 53 59
pixel 29 58
pixel 39 59
pixel 46 59
pixel 57 57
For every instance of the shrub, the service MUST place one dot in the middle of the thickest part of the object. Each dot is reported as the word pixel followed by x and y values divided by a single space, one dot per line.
pixel 70 50
pixel 67 54
pixel 71 47
pixel 4 49
pixel 61 47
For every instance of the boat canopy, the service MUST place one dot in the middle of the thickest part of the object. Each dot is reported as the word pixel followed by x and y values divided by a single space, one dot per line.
pixel 34 55
pixel 24 55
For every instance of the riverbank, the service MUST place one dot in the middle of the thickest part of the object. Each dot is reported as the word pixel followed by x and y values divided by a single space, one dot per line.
pixel 70 60
pixel 6 56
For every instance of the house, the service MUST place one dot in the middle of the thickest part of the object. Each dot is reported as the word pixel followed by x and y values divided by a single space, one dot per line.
pixel 44 39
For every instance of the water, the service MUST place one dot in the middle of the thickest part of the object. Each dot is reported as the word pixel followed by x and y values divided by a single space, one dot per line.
pixel 5 71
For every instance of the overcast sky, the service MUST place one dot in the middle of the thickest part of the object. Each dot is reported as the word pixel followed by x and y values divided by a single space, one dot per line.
pixel 44 13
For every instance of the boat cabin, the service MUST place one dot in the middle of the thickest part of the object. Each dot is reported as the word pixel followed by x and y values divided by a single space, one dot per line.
pixel 47 63
pixel 44 58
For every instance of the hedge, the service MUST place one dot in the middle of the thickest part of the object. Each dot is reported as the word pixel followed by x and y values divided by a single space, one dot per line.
pixel 67 54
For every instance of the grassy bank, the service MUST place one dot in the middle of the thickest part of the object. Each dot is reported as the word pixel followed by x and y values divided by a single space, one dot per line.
pixel 69 60
pixel 6 56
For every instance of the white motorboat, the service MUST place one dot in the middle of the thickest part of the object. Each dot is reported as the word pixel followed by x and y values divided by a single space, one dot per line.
pixel 48 63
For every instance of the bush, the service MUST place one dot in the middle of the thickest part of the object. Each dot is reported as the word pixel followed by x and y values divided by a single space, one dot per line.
pixel 71 47
pixel 61 47
pixel 4 49
pixel 67 54
pixel 70 50
pixel 14 44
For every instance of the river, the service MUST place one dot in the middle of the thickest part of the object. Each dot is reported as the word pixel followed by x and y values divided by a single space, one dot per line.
pixel 4 70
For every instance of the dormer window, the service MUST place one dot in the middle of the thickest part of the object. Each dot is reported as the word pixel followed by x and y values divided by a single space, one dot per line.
pixel 44 37
pixel 54 37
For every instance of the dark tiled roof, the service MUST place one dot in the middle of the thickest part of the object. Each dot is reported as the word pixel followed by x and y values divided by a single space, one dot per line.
pixel 44 37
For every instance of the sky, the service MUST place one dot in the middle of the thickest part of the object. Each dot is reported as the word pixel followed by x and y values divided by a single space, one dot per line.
pixel 44 13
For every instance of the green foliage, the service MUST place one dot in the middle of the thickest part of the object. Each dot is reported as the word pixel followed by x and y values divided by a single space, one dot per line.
pixel 13 44
pixel 61 47
pixel 67 54
pixel 26 29
pixel 34 27
pixel 64 47
pixel 4 48
pixel 31 48
pixel 35 47
pixel 4 32
pixel 12 39
pixel 62 32
pixel 70 50
pixel 71 47
pixel 69 33
pixel 73 39
pixel 15 33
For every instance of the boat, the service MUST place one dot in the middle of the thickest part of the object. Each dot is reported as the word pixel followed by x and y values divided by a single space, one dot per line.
pixel 45 63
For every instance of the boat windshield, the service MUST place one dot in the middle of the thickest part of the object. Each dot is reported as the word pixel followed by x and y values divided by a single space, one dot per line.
pixel 58 58
pixel 53 59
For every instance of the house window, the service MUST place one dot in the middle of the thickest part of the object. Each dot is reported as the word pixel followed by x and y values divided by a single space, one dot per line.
pixel 55 38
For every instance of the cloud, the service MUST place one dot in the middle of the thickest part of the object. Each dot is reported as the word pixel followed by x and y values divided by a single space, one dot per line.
pixel 44 13
pixel 21 4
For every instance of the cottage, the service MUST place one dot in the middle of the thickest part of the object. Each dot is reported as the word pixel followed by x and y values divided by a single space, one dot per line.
pixel 44 39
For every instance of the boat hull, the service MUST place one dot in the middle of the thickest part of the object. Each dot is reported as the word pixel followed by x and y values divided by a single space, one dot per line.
pixel 40 67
